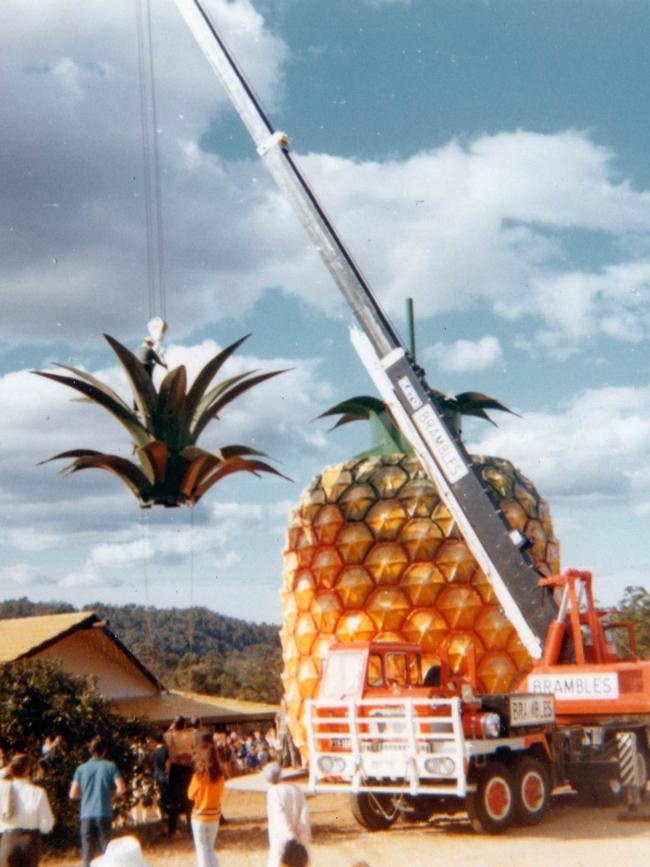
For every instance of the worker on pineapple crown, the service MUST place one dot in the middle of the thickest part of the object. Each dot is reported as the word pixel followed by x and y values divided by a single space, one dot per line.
pixel 149 357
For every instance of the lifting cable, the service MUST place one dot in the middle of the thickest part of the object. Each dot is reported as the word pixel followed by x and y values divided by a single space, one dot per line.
pixel 190 623
pixel 150 162
pixel 144 535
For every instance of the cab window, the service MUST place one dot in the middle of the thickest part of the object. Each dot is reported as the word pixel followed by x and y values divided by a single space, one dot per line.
pixel 415 671
pixel 343 677
pixel 396 669
pixel 375 675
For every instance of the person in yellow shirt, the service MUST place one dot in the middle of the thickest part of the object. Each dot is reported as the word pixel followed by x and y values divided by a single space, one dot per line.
pixel 206 790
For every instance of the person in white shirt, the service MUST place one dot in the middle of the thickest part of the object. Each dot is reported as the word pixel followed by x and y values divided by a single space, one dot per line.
pixel 25 815
pixel 287 814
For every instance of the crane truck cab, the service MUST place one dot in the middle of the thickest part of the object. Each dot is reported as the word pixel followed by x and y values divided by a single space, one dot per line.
pixel 355 669
pixel 409 742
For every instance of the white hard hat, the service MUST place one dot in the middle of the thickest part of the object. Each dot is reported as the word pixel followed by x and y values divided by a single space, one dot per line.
pixel 122 852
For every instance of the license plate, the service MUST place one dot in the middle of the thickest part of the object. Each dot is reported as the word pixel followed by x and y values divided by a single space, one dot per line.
pixel 529 709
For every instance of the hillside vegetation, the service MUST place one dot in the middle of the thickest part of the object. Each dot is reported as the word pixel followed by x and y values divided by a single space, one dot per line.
pixel 198 650
pixel 191 649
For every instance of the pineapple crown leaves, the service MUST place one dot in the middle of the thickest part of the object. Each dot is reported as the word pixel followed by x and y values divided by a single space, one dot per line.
pixel 386 436
pixel 473 403
pixel 165 427
pixel 97 392
pixel 132 476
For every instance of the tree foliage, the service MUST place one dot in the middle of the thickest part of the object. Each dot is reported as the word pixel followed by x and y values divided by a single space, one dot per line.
pixel 635 606
pixel 251 674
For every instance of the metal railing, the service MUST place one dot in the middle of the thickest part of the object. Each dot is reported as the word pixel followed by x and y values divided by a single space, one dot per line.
pixel 414 746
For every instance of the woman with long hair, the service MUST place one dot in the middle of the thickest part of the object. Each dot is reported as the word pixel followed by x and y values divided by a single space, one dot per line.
pixel 206 791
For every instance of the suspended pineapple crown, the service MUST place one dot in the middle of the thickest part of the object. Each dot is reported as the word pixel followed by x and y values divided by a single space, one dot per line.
pixel 165 427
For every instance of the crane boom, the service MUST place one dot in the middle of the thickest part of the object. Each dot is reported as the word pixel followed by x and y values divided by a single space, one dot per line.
pixel 499 550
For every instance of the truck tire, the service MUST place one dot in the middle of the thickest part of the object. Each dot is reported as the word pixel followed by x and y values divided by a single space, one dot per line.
pixel 642 768
pixel 532 791
pixel 491 807
pixel 375 812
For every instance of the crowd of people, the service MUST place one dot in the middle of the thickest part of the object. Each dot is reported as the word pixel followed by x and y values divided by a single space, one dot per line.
pixel 186 767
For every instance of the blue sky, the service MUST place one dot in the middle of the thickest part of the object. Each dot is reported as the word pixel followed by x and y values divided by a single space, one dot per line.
pixel 488 159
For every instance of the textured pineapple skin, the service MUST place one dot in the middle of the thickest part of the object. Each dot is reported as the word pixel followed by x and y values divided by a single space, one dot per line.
pixel 373 553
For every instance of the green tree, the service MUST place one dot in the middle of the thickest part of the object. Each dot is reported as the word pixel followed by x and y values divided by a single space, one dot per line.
pixel 256 669
pixel 635 606
pixel 38 698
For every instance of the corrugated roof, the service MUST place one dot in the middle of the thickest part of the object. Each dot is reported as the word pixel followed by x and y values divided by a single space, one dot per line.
pixel 24 636
pixel 235 705
pixel 211 709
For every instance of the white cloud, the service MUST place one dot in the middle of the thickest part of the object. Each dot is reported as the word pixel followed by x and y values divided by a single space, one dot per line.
pixel 595 451
pixel 471 224
pixel 177 537
pixel 465 355
pixel 72 138
pixel 122 553
pixel 86 578
pixel 172 542
pixel 24 575
pixel 67 73
pixel 483 223
pixel 31 539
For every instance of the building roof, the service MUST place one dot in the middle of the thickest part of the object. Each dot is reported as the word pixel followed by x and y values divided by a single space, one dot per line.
pixel 26 636
pixel 23 637
pixel 212 709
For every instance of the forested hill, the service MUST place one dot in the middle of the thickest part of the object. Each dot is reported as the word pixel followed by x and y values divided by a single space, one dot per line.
pixel 190 648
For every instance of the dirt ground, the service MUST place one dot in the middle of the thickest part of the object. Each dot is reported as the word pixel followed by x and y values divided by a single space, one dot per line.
pixel 570 835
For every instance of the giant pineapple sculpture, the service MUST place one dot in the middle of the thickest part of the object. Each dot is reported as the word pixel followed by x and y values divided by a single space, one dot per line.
pixel 373 554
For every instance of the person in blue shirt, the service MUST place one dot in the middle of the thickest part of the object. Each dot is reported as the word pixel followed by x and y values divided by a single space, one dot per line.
pixel 93 784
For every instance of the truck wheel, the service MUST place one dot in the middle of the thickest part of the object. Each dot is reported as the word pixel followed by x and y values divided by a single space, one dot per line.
pixel 642 769
pixel 374 812
pixel 531 791
pixel 491 806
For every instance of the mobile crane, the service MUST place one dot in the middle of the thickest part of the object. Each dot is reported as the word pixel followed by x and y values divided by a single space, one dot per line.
pixel 561 721
pixel 413 745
